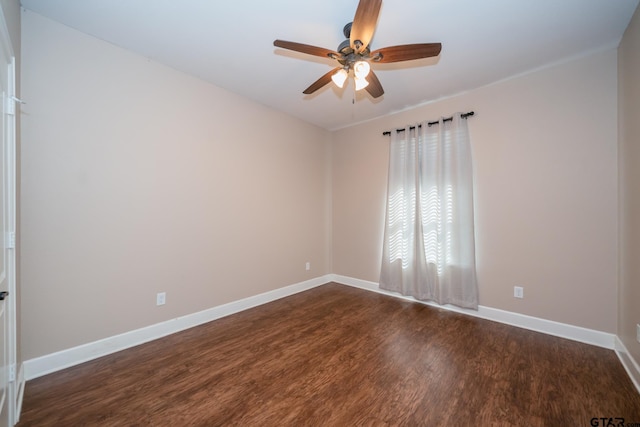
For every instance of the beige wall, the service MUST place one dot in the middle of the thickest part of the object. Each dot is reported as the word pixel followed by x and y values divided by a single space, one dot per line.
pixel 629 173
pixel 545 153
pixel 11 12
pixel 139 179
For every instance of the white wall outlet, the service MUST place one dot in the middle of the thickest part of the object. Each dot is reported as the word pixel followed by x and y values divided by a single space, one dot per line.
pixel 518 292
pixel 638 332
pixel 161 298
pixel 307 266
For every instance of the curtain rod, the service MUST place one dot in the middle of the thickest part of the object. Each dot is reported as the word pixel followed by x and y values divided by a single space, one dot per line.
pixel 448 119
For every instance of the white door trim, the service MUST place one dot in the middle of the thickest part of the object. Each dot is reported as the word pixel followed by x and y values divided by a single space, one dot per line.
pixel 10 158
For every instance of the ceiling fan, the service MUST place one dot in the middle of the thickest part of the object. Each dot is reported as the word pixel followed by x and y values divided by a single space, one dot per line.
pixel 354 54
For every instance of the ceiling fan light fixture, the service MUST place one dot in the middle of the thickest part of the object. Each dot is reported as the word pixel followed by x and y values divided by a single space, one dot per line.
pixel 355 52
pixel 361 83
pixel 339 77
pixel 361 69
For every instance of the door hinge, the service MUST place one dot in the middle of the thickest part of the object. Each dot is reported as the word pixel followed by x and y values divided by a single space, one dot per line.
pixel 12 372
pixel 11 240
pixel 10 104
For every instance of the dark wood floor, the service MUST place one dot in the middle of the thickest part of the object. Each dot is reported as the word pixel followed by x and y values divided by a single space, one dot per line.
pixel 339 356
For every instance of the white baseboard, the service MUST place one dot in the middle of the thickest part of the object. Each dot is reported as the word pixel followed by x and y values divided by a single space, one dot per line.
pixel 630 365
pixel 563 330
pixel 53 362
pixel 43 365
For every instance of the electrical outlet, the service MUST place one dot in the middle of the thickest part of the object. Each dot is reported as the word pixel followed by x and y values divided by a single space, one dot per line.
pixel 518 292
pixel 307 266
pixel 161 298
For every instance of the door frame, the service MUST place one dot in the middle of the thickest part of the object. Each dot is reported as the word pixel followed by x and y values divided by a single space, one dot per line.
pixel 14 398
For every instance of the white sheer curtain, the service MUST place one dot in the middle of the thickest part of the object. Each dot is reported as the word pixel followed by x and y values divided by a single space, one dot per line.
pixel 429 244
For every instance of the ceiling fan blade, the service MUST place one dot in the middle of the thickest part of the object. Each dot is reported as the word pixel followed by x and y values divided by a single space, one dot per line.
pixel 322 81
pixel 406 52
pixel 374 87
pixel 308 49
pixel 364 24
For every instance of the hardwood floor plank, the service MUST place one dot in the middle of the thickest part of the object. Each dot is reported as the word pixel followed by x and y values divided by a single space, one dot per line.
pixel 337 356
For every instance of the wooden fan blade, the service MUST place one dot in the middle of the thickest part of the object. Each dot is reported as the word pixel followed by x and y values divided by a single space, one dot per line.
pixel 322 81
pixel 364 24
pixel 308 49
pixel 374 87
pixel 406 52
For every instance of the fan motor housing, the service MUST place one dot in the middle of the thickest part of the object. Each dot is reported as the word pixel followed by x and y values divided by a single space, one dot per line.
pixel 345 47
pixel 349 56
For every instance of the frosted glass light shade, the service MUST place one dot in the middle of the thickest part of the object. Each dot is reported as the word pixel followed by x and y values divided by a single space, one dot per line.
pixel 361 83
pixel 361 69
pixel 339 77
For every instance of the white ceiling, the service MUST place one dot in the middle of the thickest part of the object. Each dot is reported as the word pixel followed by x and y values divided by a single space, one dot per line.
pixel 230 44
